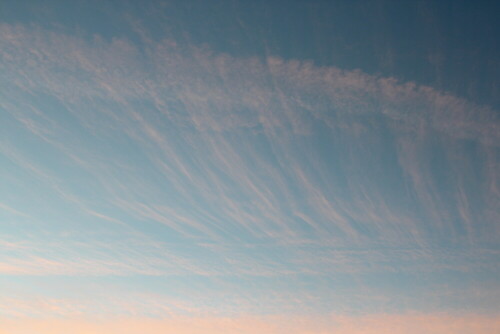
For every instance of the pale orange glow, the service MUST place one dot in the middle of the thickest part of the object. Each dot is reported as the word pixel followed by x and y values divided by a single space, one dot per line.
pixel 375 324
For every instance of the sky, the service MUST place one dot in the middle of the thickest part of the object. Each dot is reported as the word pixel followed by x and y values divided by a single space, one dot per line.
pixel 249 167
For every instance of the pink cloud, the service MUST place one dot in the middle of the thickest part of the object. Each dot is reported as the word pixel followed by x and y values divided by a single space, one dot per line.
pixel 371 324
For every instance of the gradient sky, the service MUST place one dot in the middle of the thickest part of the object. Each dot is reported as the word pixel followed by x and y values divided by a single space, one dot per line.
pixel 249 167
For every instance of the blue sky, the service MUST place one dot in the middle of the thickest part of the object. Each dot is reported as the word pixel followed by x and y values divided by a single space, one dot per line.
pixel 235 160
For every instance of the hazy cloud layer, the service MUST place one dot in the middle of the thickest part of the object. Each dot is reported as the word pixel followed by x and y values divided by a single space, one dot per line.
pixel 389 324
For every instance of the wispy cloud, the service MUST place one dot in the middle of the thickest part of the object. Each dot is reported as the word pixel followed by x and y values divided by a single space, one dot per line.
pixel 206 164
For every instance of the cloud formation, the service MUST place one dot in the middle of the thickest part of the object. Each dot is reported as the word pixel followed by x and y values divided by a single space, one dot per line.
pixel 177 161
